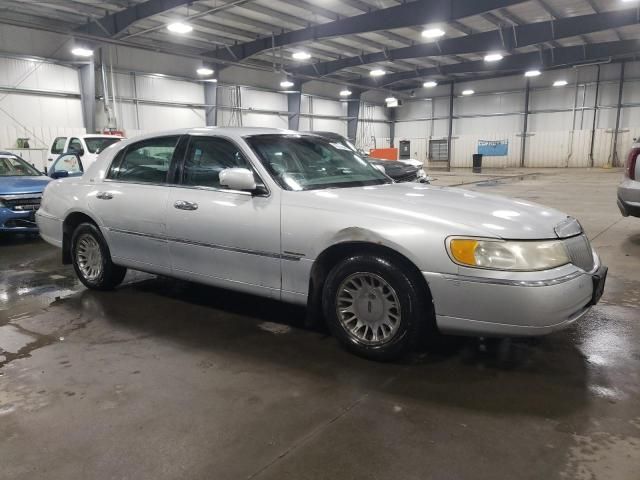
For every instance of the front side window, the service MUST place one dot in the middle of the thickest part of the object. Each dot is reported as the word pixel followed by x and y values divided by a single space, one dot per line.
pixel 145 162
pixel 58 145
pixel 68 163
pixel 98 144
pixel 12 166
pixel 311 163
pixel 75 145
pixel 207 157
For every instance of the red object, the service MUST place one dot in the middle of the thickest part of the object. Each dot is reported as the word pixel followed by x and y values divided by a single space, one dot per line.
pixel 630 167
pixel 118 133
pixel 384 153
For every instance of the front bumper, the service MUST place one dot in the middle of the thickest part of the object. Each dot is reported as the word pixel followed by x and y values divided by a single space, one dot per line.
pixel 513 307
pixel 17 222
pixel 629 198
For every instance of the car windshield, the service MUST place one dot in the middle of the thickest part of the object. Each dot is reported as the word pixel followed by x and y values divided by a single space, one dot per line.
pixel 310 163
pixel 12 166
pixel 98 144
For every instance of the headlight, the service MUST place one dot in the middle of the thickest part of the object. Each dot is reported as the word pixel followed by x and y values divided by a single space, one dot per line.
pixel 508 255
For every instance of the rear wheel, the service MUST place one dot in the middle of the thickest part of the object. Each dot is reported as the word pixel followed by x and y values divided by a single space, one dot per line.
pixel 92 260
pixel 375 307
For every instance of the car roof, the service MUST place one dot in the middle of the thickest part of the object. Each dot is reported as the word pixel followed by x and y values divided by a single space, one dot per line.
pixel 233 132
pixel 99 135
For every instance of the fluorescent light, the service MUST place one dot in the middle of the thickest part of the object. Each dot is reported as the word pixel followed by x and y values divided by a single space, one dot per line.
pixel 286 84
pixel 82 52
pixel 179 27
pixel 468 92
pixel 532 73
pixel 493 57
pixel 301 56
pixel 212 80
pixel 433 33
pixel 390 99
pixel 345 93
pixel 204 71
pixel 377 72
pixel 430 84
pixel 560 83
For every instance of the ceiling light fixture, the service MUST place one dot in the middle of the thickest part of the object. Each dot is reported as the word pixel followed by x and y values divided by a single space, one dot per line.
pixel 82 52
pixel 301 56
pixel 433 33
pixel 560 83
pixel 468 92
pixel 532 73
pixel 286 84
pixel 179 27
pixel 430 84
pixel 204 71
pixel 493 57
pixel 377 72
pixel 345 93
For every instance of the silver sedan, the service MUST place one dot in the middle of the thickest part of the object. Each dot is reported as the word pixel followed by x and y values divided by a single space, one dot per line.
pixel 304 220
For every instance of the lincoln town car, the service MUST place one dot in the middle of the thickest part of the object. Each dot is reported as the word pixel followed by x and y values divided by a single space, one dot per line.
pixel 302 219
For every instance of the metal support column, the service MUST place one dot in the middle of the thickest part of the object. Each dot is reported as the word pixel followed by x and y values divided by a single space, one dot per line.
pixel 392 127
pixel 211 100
pixel 353 112
pixel 450 132
pixel 614 157
pixel 87 75
pixel 293 102
pixel 525 124
pixel 595 118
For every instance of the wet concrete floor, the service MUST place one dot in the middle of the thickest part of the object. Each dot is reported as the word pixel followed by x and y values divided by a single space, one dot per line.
pixel 167 379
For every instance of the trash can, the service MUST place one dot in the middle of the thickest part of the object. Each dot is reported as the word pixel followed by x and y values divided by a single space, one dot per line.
pixel 477 163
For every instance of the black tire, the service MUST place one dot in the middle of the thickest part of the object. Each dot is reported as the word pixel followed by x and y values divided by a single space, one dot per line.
pixel 415 311
pixel 109 275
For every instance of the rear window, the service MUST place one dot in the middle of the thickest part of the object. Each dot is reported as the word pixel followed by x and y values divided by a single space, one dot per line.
pixel 98 144
pixel 58 145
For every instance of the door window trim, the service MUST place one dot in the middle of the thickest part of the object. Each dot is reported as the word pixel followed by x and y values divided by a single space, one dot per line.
pixel 179 172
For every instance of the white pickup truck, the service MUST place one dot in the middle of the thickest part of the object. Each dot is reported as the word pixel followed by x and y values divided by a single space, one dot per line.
pixel 87 146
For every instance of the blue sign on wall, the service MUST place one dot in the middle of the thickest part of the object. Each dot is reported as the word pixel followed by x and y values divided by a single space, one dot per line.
pixel 493 148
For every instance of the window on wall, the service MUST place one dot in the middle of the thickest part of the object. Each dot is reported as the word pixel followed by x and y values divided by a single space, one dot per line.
pixel 145 162
pixel 438 150
pixel 207 157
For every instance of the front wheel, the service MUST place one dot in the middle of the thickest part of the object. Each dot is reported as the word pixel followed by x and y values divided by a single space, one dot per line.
pixel 92 260
pixel 375 307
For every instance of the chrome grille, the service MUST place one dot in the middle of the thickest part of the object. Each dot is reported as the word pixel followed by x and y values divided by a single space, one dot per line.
pixel 580 252
pixel 23 204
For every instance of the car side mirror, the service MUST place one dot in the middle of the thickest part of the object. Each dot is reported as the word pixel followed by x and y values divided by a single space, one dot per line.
pixel 60 174
pixel 238 179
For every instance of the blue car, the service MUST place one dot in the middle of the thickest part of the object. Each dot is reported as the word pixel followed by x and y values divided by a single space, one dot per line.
pixel 21 187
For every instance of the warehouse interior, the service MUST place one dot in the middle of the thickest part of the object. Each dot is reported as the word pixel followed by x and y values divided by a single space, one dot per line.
pixel 168 379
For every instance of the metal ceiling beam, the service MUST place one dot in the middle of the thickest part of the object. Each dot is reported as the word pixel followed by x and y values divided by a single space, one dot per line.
pixel 544 59
pixel 509 39
pixel 404 15
pixel 112 24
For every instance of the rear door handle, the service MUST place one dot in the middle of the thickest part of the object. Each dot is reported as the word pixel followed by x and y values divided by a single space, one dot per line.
pixel 104 195
pixel 184 205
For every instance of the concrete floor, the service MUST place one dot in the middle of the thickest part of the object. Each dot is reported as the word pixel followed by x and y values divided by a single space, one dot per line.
pixel 165 379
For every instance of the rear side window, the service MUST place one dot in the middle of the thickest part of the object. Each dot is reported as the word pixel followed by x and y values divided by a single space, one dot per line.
pixel 207 157
pixel 75 145
pixel 145 162
pixel 58 145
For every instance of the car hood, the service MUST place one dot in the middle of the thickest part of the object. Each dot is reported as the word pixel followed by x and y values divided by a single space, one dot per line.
pixel 17 185
pixel 394 167
pixel 458 211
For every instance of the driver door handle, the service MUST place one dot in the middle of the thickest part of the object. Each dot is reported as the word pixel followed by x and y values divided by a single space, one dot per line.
pixel 184 205
pixel 104 195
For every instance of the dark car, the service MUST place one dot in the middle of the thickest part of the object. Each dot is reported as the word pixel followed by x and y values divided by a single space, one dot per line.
pixel 398 170
pixel 21 187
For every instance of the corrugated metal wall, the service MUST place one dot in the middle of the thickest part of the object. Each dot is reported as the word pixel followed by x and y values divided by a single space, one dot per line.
pixel 557 135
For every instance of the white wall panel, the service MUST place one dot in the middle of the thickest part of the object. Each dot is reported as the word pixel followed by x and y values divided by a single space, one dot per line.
pixel 262 100
pixel 169 90
pixel 250 119
pixel 38 75
pixel 329 107
pixel 156 118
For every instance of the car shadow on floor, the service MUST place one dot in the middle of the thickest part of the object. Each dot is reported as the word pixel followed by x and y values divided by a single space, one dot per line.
pixel 545 377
